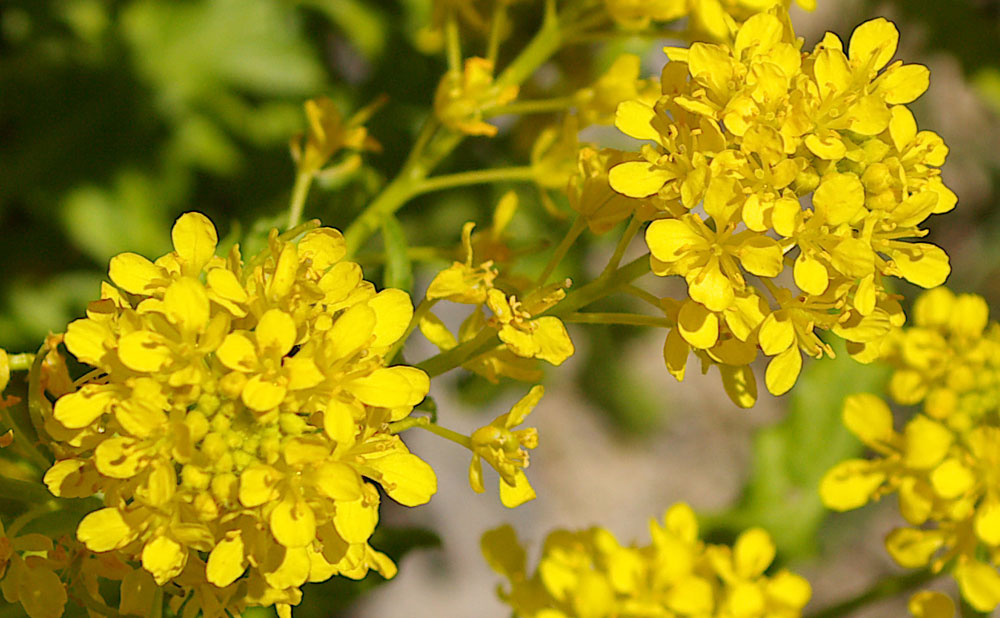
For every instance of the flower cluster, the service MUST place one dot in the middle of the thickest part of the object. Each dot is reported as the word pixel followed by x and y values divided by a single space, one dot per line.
pixel 943 464
pixel 589 574
pixel 506 450
pixel 765 161
pixel 715 19
pixel 524 334
pixel 233 414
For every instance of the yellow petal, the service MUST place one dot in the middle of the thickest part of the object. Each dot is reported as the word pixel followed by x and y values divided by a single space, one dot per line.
pixel 105 530
pixel 697 325
pixel 238 353
pixel 873 43
pixel 987 523
pixel 710 286
pixel 226 562
pixel 391 387
pixel 923 264
pixel 88 340
pixel 638 178
pixel 635 119
pixel 810 275
pixel 675 353
pixel 407 479
pixel 393 310
pixel 302 373
pixel 338 481
pixel 912 548
pixel 903 84
pixel 353 330
pixel 293 523
pixel 850 484
pixel 355 521
pixel 134 273
pixel 552 340
pixel 927 442
pixel 513 496
pixel 41 592
pixel 339 421
pixel 79 409
pixel 258 484
pixel 952 479
pixel 761 256
pixel 670 239
pixel 777 333
pixel 262 395
pixel 740 384
pixel 979 583
pixel 503 552
pixel 194 239
pixel 276 331
pixel 753 552
pixel 783 371
pixel 144 351
pixel 164 558
pixel 186 305
pixel 117 457
pixel 869 418
pixel 839 198
pixel 325 246
pixel 930 604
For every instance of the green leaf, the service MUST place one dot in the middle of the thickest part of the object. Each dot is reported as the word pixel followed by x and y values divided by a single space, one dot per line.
pixel 398 269
pixel 791 457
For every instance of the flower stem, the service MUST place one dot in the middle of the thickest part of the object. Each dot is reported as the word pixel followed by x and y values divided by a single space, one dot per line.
pixel 453 42
pixel 303 180
pixel 602 286
pixel 623 243
pixel 418 314
pixel 627 319
pixel 883 589
pixel 538 106
pixel 437 145
pixel 474 177
pixel 579 224
pixel 457 356
pixel 424 423
pixel 21 362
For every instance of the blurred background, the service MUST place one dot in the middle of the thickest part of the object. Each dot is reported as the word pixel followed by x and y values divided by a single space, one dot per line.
pixel 118 115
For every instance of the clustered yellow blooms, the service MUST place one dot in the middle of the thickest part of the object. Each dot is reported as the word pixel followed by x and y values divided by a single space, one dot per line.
pixel 589 574
pixel 944 463
pixel 463 97
pixel 768 165
pixel 233 414
pixel 523 335
pixel 716 19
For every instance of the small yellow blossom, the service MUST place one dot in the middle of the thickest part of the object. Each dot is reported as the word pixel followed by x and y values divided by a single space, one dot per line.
pixel 4 370
pixel 947 488
pixel 589 574
pixel 527 336
pixel 760 159
pixel 328 134
pixel 506 450
pixel 235 413
pixel 463 97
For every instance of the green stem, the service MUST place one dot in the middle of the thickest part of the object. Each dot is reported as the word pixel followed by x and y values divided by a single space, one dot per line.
pixel 418 314
pixel 29 516
pixel 21 362
pixel 579 224
pixel 23 491
pixel 885 588
pixel 457 356
pixel 424 423
pixel 303 180
pixel 622 246
pixel 602 286
pixel 626 319
pixel 453 42
pixel 475 177
pixel 496 26
pixel 545 43
pixel 538 106
pixel 643 295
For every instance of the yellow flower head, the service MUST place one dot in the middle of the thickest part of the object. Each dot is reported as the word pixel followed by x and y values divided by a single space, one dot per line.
pixel 712 19
pixel 948 489
pixel 463 97
pixel 506 450
pixel 234 411
pixel 949 360
pixel 763 160
pixel 589 574
pixel 328 134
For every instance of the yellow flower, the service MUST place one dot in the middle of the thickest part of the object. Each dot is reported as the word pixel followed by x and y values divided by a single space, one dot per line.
pixel 806 163
pixel 28 566
pixel 463 97
pixel 234 412
pixel 4 370
pixel 527 336
pixel 506 450
pixel 328 134
pixel 948 493
pixel 464 282
pixel 589 574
